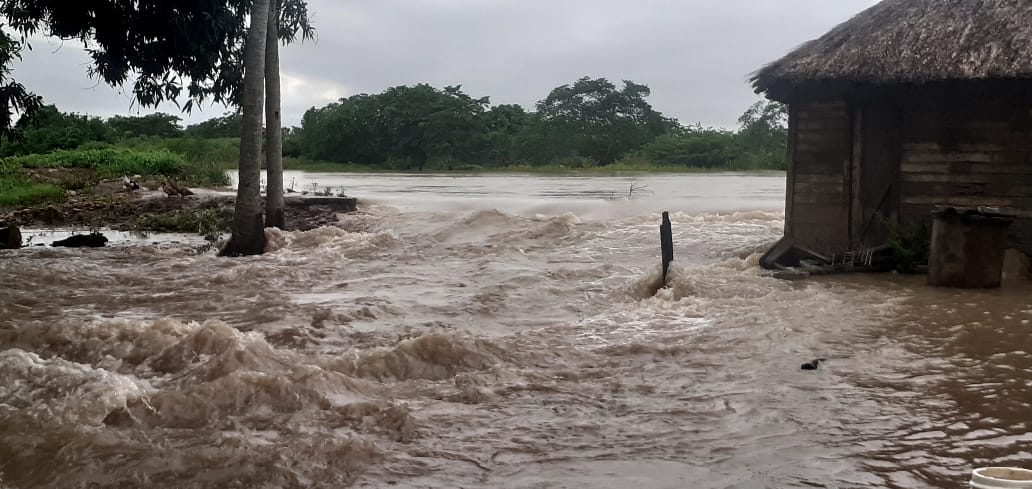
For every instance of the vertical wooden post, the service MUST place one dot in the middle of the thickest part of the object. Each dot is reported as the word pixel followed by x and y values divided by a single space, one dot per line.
pixel 856 208
pixel 666 238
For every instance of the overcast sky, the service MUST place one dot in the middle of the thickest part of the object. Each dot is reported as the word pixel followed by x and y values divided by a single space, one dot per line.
pixel 695 55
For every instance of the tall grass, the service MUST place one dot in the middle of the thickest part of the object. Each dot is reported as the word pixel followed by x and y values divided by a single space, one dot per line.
pixel 115 162
pixel 223 151
pixel 209 222
pixel 107 162
pixel 18 190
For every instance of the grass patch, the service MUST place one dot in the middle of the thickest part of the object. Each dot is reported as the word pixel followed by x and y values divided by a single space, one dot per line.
pixel 115 162
pixel 108 163
pixel 211 174
pixel 210 223
pixel 17 190
pixel 223 152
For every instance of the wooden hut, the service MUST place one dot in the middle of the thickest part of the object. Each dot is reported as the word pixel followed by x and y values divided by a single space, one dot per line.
pixel 910 105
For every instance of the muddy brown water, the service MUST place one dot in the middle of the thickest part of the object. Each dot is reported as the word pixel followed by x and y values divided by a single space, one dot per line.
pixel 498 332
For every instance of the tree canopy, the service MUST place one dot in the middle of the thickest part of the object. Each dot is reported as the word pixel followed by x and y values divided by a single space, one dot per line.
pixel 601 122
pixel 179 51
pixel 407 125
pixel 589 122
pixel 225 126
pixel 157 124
pixel 168 45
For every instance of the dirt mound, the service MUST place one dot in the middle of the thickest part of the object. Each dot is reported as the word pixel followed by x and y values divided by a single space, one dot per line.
pixel 121 212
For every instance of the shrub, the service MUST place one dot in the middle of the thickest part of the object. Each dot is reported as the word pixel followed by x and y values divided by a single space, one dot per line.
pixel 909 244
pixel 211 173
pixel 108 162
pixel 703 148
pixel 209 223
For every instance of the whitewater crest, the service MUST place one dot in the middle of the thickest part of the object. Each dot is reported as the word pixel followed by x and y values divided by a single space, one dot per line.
pixel 329 239
pixel 121 382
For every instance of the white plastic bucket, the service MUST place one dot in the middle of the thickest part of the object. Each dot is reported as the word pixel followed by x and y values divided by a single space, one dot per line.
pixel 1001 478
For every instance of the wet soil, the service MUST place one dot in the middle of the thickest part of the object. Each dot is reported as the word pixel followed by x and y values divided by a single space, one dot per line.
pixel 120 211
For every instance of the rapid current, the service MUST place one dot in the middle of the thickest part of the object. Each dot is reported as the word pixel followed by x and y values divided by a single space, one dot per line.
pixel 502 332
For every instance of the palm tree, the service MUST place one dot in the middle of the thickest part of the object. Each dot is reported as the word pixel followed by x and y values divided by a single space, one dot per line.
pixel 248 236
pixel 274 214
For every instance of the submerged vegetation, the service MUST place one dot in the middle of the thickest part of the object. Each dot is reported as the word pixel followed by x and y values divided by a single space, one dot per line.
pixel 207 222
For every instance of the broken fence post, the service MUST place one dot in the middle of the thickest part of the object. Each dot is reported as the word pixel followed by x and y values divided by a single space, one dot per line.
pixel 666 238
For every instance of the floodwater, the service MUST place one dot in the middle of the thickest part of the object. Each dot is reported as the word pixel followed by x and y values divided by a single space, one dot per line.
pixel 500 331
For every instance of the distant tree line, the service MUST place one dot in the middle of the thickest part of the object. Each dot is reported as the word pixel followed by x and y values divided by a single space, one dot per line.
pixel 591 122
pixel 52 129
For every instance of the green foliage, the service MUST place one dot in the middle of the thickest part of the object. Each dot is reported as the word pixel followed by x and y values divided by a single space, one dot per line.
pixel 224 152
pixel 17 189
pixel 157 124
pixel 207 222
pixel 421 127
pixel 15 100
pixel 424 128
pixel 402 128
pixel 293 144
pixel 51 129
pixel 108 162
pixel 589 123
pixel 909 244
pixel 502 124
pixel 169 49
pixel 202 173
pixel 599 122
pixel 761 142
pixel 695 148
pixel 226 126
pixel 292 163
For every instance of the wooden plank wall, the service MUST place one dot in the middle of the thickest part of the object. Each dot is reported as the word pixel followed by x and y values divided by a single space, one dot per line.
pixel 822 151
pixel 966 153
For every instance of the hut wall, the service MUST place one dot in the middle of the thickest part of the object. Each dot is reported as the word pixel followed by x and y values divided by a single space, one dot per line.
pixel 968 152
pixel 820 143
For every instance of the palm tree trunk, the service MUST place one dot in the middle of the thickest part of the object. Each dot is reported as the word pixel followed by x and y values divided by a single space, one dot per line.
pixel 274 216
pixel 248 236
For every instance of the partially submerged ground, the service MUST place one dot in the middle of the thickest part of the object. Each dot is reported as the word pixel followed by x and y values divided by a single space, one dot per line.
pixel 85 190
pixel 208 212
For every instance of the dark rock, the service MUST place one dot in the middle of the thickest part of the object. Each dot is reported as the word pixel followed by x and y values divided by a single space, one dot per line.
pixel 10 238
pixel 812 365
pixel 92 240
pixel 337 204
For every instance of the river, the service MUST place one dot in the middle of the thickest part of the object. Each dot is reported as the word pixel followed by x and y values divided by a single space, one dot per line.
pixel 500 331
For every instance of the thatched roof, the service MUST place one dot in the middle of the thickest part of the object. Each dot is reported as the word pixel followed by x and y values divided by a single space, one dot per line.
pixel 912 42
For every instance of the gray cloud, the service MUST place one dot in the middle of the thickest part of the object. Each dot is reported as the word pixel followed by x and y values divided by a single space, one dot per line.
pixel 694 54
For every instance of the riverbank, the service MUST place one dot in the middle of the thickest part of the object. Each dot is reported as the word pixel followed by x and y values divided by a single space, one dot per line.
pixel 59 176
pixel 121 189
pixel 548 169
pixel 206 214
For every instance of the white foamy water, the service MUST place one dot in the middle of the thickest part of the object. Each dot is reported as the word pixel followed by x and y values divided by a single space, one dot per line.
pixel 500 331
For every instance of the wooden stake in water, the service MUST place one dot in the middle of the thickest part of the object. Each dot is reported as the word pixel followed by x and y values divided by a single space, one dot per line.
pixel 666 238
